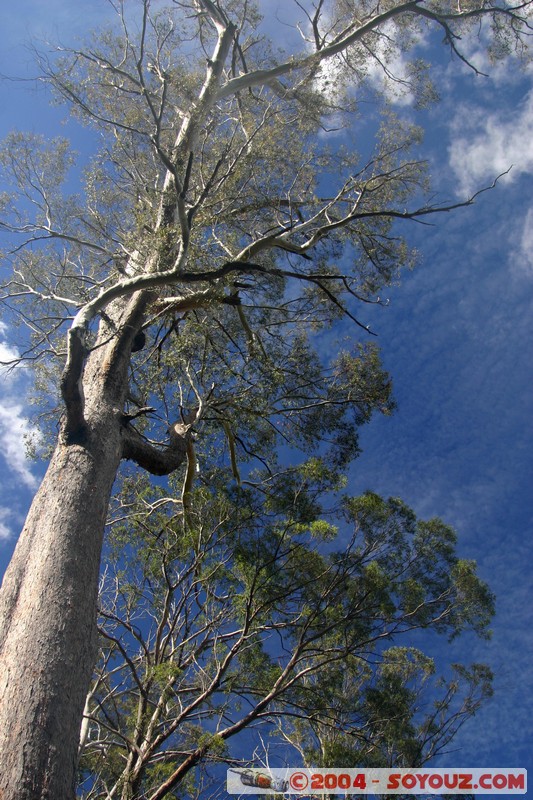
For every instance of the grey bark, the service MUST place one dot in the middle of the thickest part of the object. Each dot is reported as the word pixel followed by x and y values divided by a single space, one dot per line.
pixel 48 599
pixel 48 635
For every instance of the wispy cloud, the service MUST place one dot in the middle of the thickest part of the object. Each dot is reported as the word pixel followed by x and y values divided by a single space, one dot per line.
pixel 522 254
pixel 484 145
pixel 14 425
pixel 388 67
pixel 14 432
pixel 5 530
pixel 8 354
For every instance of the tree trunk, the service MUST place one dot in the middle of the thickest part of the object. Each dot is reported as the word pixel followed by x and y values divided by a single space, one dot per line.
pixel 48 599
pixel 48 638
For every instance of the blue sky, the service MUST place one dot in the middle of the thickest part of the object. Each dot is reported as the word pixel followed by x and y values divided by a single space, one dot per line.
pixel 457 337
pixel 458 341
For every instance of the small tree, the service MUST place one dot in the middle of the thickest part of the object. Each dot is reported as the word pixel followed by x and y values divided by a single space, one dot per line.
pixel 216 235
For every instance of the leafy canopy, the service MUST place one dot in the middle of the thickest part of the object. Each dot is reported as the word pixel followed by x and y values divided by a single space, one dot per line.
pixel 250 619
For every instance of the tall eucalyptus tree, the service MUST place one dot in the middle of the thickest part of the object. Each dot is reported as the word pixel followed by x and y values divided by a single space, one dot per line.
pixel 216 215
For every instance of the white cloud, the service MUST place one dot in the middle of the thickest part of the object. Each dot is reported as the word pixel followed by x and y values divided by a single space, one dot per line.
pixel 14 426
pixel 388 68
pixel 8 355
pixel 14 431
pixel 5 531
pixel 477 46
pixel 330 78
pixel 485 145
pixel 522 255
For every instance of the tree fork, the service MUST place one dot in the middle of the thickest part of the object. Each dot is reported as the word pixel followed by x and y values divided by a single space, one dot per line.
pixel 48 599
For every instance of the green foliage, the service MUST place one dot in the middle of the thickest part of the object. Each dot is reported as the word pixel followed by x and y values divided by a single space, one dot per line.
pixel 239 617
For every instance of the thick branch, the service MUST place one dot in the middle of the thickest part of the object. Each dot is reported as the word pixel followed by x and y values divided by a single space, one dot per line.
pixel 72 387
pixel 71 383
pixel 243 266
pixel 217 16
pixel 156 460
pixel 185 142
pixel 281 240
pixel 263 77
